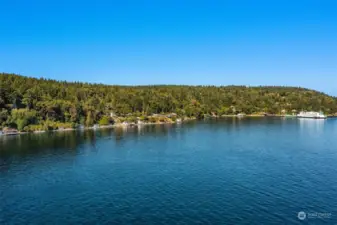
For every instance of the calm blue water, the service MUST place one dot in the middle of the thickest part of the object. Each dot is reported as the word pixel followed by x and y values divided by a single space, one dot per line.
pixel 230 171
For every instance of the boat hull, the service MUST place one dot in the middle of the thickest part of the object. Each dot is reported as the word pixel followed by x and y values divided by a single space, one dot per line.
pixel 316 117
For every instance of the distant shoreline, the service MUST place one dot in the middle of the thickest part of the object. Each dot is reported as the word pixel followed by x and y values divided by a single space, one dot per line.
pixel 35 105
pixel 117 125
pixel 130 125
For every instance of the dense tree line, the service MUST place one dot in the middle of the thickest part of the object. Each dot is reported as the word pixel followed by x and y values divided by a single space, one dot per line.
pixel 34 102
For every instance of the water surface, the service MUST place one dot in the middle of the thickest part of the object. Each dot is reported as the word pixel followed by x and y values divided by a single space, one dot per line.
pixel 230 171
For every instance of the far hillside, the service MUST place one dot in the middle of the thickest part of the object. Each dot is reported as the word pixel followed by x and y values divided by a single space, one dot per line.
pixel 28 101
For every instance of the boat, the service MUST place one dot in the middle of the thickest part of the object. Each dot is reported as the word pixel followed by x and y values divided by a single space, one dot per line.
pixel 312 115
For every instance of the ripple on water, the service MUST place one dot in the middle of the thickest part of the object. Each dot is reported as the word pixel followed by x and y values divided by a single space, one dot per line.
pixel 251 172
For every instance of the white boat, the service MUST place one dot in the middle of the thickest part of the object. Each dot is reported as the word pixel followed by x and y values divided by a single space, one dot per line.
pixel 313 115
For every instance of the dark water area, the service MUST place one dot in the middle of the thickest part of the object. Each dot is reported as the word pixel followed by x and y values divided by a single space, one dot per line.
pixel 228 171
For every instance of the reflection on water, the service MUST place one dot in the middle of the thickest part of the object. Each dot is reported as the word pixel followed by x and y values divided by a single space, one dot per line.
pixel 69 142
pixel 313 127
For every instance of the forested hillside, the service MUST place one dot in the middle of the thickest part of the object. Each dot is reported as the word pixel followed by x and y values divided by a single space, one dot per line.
pixel 31 102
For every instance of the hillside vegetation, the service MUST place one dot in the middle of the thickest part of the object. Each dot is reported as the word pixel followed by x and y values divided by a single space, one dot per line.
pixel 33 104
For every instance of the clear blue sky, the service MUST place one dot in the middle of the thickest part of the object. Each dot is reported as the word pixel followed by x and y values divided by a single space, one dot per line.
pixel 173 42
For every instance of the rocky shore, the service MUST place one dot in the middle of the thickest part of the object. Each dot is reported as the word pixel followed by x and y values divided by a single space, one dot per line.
pixel 118 124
